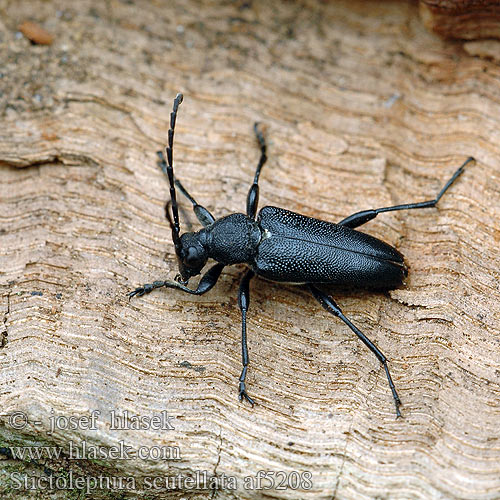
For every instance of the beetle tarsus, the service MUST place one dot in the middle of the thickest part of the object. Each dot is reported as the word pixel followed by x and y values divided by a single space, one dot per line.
pixel 395 395
pixel 147 288
pixel 138 291
pixel 243 394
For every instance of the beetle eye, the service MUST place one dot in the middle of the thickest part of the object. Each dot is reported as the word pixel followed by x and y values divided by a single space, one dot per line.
pixel 191 257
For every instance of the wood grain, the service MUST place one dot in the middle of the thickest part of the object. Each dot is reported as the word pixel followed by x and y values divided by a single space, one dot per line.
pixel 363 108
pixel 462 19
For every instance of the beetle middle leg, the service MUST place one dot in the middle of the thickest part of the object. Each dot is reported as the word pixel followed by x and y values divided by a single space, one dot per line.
pixel 244 302
pixel 360 218
pixel 329 304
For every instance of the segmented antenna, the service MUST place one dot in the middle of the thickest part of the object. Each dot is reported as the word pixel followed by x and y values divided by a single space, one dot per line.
pixel 170 172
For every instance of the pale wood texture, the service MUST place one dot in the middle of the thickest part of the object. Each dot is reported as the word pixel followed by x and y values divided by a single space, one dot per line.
pixel 363 107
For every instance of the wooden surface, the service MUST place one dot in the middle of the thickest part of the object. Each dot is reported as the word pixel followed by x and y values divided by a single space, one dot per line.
pixel 363 107
pixel 462 19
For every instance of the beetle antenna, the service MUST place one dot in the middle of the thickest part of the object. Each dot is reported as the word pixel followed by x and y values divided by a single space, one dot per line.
pixel 174 224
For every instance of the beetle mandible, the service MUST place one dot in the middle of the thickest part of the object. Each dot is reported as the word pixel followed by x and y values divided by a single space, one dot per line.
pixel 283 246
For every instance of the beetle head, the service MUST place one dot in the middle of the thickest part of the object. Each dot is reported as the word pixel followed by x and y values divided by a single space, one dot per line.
pixel 191 256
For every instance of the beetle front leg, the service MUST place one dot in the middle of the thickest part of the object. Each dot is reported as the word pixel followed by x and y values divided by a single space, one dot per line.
pixel 253 193
pixel 207 282
pixel 244 302
pixel 329 304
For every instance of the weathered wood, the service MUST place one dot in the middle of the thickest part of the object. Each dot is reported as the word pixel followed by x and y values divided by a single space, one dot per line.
pixel 464 19
pixel 363 107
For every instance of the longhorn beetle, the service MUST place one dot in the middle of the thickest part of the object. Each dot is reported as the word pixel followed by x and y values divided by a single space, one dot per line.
pixel 283 246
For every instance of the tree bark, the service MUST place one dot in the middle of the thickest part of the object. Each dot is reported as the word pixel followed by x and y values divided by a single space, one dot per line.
pixel 362 108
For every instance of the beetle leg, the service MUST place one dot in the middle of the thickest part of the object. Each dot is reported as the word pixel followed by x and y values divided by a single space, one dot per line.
pixel 207 282
pixel 253 193
pixel 244 302
pixel 202 214
pixel 329 304
pixel 360 218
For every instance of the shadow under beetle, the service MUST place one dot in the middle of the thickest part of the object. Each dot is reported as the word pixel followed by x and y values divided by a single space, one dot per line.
pixel 283 246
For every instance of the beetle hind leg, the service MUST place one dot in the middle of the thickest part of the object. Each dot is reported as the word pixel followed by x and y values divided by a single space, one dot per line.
pixel 360 218
pixel 330 305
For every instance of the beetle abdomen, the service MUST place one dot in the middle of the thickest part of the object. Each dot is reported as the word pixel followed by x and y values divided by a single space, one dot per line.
pixel 299 249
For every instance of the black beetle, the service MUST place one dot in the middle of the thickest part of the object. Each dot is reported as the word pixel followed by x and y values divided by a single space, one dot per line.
pixel 283 246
